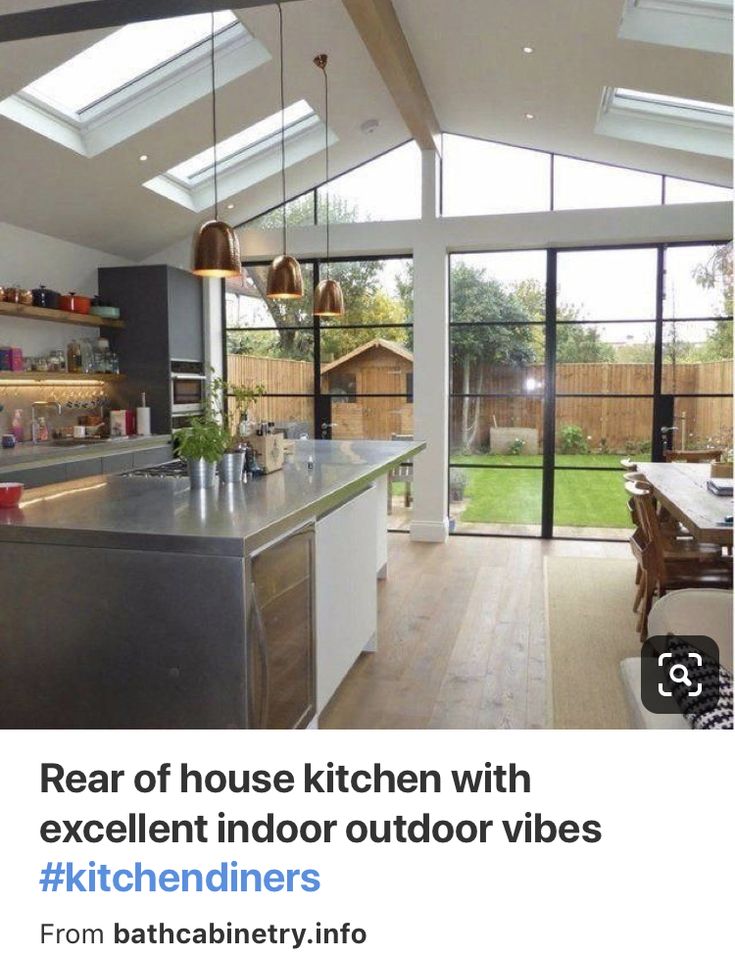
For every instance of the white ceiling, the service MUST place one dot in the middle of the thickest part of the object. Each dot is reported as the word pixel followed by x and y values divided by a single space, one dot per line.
pixel 468 52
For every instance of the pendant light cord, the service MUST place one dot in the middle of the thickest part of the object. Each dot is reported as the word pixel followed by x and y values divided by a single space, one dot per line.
pixel 326 162
pixel 283 128
pixel 214 124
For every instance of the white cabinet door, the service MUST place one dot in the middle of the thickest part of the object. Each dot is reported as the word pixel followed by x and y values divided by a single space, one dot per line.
pixel 346 590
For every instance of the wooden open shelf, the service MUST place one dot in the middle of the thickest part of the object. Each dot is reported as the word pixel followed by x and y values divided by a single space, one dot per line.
pixel 58 316
pixel 37 377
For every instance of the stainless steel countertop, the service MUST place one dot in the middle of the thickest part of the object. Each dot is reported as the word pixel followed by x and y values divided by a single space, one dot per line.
pixel 160 515
pixel 26 455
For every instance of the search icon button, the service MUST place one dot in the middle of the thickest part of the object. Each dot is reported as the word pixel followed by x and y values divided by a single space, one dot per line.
pixel 680 673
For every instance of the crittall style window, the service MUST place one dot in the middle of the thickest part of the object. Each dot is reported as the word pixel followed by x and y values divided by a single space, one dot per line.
pixel 562 362
pixel 566 362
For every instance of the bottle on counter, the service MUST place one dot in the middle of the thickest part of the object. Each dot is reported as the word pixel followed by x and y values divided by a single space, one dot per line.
pixel 40 430
pixel 86 356
pixel 17 427
pixel 74 357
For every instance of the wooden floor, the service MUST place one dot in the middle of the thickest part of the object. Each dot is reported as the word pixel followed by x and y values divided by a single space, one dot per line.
pixel 461 637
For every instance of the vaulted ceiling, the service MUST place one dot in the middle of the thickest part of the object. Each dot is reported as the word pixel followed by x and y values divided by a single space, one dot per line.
pixel 469 56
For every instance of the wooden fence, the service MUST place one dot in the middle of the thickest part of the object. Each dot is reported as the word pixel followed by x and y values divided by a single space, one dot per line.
pixel 617 423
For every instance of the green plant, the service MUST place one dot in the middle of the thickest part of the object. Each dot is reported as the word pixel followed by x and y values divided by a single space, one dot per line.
pixel 516 447
pixel 230 413
pixel 573 440
pixel 203 439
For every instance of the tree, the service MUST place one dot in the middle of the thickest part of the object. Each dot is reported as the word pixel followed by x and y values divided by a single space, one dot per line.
pixel 377 308
pixel 717 272
pixel 574 344
pixel 477 300
pixel 635 352
pixel 292 319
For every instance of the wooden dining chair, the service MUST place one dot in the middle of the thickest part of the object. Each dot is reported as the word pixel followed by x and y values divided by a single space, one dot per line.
pixel 667 564
pixel 693 455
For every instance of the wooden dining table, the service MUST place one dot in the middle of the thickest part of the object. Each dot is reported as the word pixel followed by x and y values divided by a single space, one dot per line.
pixel 681 487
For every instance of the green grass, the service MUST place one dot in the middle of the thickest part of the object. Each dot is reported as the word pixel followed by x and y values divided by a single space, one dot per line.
pixel 582 498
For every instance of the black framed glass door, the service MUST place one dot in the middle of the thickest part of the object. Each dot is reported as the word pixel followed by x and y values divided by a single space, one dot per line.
pixel 581 358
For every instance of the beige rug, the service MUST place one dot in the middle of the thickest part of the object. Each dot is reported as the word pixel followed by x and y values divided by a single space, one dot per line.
pixel 591 628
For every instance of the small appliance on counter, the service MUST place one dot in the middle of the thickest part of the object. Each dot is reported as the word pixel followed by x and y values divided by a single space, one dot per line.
pixel 268 449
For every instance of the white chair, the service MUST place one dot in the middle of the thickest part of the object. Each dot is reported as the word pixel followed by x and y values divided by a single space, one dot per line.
pixel 685 612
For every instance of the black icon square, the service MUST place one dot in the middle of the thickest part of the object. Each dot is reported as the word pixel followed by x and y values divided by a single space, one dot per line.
pixel 680 674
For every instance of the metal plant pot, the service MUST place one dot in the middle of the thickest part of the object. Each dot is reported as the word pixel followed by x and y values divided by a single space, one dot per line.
pixel 232 466
pixel 202 474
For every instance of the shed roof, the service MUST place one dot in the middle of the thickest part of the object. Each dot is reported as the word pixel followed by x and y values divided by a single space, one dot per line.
pixel 373 344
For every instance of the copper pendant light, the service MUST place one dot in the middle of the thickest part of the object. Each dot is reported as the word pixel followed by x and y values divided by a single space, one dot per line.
pixel 217 248
pixel 328 298
pixel 284 276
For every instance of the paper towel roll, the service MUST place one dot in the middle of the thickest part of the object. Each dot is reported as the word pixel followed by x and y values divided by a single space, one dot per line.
pixel 143 415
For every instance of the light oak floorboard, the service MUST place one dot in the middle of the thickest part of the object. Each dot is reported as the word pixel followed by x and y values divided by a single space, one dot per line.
pixel 461 637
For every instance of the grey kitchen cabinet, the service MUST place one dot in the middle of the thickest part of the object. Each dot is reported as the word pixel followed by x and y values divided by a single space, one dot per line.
pixel 83 468
pixel 185 316
pixel 42 476
pixel 164 319
pixel 121 462
pixel 152 457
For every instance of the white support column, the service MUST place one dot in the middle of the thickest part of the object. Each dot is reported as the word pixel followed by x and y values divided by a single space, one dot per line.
pixel 431 367
pixel 213 327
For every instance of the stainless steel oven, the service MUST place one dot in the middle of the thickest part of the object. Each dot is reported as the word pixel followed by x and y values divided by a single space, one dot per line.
pixel 188 384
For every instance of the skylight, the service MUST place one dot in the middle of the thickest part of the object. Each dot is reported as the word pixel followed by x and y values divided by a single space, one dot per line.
pixel 676 122
pixel 121 58
pixel 247 158
pixel 260 134
pixel 675 104
pixel 134 78
pixel 692 24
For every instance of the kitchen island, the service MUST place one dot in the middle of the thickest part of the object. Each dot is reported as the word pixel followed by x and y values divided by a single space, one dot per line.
pixel 134 602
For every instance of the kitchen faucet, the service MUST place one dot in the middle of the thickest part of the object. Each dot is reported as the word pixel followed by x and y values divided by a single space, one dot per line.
pixel 40 403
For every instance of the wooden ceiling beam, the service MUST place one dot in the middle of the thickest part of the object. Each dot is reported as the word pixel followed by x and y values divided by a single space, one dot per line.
pixel 381 32
pixel 104 14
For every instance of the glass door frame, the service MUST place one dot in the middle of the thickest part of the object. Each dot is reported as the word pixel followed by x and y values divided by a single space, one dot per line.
pixel 659 407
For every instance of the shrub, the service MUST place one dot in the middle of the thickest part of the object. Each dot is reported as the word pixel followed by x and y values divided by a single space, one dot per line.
pixel 516 447
pixel 573 440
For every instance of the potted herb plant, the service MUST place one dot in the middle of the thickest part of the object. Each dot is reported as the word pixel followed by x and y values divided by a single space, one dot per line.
pixel 202 445
pixel 231 414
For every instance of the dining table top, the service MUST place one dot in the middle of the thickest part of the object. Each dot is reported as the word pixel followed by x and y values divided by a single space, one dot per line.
pixel 681 487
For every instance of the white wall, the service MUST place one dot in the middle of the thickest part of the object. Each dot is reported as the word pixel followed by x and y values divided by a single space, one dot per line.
pixel 28 259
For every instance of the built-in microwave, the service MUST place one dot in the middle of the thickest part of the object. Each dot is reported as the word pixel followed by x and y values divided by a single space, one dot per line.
pixel 188 385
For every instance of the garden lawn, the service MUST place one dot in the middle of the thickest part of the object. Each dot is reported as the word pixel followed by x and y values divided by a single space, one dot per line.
pixel 583 498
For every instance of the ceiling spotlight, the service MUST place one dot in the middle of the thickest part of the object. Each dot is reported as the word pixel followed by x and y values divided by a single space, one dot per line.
pixel 230 206
pixel 370 126
pixel 530 116
pixel 143 157
pixel 528 49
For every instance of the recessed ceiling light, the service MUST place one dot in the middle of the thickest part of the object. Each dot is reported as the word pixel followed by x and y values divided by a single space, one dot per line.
pixel 530 116
pixel 528 49
pixel 230 206
pixel 143 157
